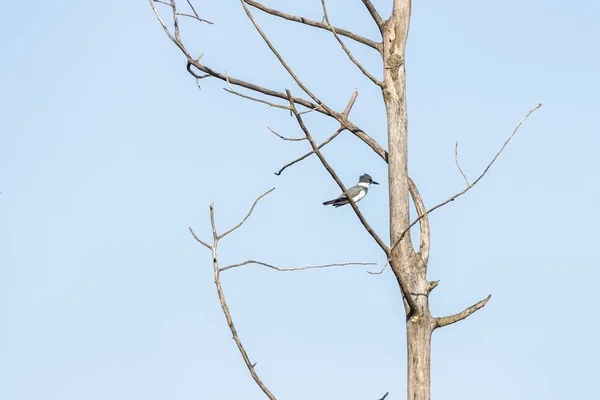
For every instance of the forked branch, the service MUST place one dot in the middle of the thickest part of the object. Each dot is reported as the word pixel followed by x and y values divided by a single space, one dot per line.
pixel 335 134
pixel 444 321
pixel 469 187
pixel 217 278
pixel 384 247
pixel 201 71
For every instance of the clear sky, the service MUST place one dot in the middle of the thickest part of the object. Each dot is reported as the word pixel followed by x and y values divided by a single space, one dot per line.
pixel 109 151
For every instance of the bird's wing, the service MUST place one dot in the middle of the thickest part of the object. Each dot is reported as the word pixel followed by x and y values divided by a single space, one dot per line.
pixel 354 191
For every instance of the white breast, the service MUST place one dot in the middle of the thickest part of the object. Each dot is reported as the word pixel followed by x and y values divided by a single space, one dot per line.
pixel 359 196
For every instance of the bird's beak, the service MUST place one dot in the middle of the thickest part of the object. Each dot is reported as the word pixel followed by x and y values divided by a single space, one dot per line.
pixel 375 183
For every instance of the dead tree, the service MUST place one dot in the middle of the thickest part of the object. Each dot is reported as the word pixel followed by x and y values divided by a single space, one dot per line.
pixel 409 265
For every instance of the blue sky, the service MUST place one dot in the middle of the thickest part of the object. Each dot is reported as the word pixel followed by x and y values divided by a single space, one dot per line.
pixel 108 152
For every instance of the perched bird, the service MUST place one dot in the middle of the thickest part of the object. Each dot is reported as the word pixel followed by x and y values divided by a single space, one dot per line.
pixel 356 192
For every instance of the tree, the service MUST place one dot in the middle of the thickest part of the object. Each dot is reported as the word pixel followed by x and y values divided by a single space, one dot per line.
pixel 408 264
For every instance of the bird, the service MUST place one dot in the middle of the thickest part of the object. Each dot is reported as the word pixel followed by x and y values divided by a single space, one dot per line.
pixel 357 192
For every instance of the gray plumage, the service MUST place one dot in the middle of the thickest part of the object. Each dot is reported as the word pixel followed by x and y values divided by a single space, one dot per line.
pixel 357 192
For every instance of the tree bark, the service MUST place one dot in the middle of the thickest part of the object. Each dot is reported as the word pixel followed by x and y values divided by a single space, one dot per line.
pixel 407 265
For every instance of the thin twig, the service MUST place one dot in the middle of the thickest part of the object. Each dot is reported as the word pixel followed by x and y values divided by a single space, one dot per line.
pixel 444 321
pixel 316 24
pixel 297 160
pixel 293 269
pixel 198 239
pixel 345 114
pixel 221 236
pixel 245 96
pixel 347 50
pixel 384 396
pixel 381 270
pixel 196 14
pixel 283 137
pixel 457 195
pixel 458 165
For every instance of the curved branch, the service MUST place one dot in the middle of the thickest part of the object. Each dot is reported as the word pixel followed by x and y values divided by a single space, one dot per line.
pixel 376 17
pixel 347 51
pixel 198 239
pixel 444 321
pixel 219 237
pixel 458 165
pixel 283 137
pixel 469 187
pixel 315 24
pixel 292 269
pixel 425 237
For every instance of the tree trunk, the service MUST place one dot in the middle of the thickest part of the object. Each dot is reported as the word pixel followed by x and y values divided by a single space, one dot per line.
pixel 405 262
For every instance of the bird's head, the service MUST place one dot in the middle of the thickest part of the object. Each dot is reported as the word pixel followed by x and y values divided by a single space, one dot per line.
pixel 366 180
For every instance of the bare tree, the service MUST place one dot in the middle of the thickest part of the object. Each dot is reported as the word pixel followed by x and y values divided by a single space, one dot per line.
pixel 409 265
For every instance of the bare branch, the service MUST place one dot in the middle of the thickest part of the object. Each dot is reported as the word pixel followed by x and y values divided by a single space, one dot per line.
pixel 348 52
pixel 321 108
pixel 233 91
pixel 458 165
pixel 283 137
pixel 444 321
pixel 335 134
pixel 350 104
pixel 362 219
pixel 381 270
pixel 384 396
pixel 293 269
pixel 196 14
pixel 376 17
pixel 213 226
pixel 219 237
pixel 251 86
pixel 198 239
pixel 334 175
pixel 279 57
pixel 316 24
pixel 425 237
pixel 457 195
pixel 234 333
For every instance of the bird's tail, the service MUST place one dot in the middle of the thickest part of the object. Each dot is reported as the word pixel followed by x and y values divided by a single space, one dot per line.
pixel 326 203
